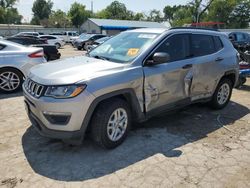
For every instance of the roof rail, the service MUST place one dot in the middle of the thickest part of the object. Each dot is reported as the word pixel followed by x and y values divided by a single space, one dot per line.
pixel 201 28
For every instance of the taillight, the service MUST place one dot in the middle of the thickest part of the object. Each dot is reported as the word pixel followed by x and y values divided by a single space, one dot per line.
pixel 36 54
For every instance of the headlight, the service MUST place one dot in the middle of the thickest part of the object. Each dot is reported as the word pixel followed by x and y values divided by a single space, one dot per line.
pixel 64 91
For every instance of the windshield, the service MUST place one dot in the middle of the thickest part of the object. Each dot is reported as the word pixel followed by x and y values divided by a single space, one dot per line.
pixel 124 47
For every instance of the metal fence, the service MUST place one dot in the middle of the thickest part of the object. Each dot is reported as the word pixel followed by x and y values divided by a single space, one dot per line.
pixel 8 30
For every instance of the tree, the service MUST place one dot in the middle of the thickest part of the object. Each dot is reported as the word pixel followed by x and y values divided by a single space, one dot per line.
pixel 116 10
pixel 240 16
pixel 169 13
pixel 9 14
pixel 78 14
pixel 7 3
pixel 198 8
pixel 42 10
pixel 155 16
pixel 139 16
pixel 59 19
pixel 182 16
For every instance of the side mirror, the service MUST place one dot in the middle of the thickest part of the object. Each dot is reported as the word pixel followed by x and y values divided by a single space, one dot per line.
pixel 159 58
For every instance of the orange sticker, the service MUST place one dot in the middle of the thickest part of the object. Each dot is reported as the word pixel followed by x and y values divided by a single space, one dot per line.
pixel 132 51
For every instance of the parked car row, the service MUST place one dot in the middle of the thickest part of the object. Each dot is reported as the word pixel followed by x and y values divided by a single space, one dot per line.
pixel 50 51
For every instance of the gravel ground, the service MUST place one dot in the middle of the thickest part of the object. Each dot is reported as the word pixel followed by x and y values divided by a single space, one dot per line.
pixel 194 147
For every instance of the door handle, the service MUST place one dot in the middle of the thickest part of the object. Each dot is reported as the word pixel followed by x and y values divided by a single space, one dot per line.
pixel 219 59
pixel 187 66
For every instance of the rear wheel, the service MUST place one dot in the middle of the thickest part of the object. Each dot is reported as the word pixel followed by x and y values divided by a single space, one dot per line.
pixel 222 94
pixel 58 45
pixel 110 123
pixel 10 80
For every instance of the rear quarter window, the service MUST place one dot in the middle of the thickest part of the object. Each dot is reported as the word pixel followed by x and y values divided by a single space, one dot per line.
pixel 218 43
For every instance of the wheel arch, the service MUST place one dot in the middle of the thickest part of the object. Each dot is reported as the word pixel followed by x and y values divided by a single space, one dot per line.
pixel 13 68
pixel 126 94
pixel 232 76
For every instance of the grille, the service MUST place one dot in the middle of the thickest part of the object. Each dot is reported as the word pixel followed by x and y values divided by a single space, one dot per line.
pixel 33 88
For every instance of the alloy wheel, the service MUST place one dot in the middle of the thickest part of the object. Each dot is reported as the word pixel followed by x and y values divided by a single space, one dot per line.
pixel 117 124
pixel 9 81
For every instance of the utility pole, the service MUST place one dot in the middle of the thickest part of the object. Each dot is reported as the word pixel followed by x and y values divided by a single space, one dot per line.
pixel 92 7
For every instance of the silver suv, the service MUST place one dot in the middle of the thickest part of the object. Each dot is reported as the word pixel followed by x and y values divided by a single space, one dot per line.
pixel 130 78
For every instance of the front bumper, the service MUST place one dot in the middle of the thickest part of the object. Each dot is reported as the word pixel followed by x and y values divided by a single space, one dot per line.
pixel 77 107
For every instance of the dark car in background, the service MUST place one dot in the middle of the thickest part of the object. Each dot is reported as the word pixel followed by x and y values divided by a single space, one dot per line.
pixel 239 38
pixel 97 43
pixel 84 40
pixel 50 51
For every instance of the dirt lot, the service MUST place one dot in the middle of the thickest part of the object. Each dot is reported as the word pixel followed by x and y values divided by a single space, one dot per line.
pixel 194 147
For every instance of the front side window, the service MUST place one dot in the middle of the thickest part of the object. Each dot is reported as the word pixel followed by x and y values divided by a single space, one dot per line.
pixel 202 45
pixel 124 47
pixel 176 46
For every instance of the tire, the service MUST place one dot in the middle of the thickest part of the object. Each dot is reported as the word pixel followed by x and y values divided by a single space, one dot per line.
pixel 58 45
pixel 222 94
pixel 46 56
pixel 10 80
pixel 79 48
pixel 102 126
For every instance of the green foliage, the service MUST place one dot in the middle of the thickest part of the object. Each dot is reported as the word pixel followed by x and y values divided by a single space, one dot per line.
pixel 42 10
pixel 234 13
pixel 182 16
pixel 8 14
pixel 155 16
pixel 78 14
pixel 59 19
pixel 7 3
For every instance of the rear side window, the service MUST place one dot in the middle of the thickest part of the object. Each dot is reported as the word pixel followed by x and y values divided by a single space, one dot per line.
pixel 240 37
pixel 202 45
pixel 176 46
pixel 217 43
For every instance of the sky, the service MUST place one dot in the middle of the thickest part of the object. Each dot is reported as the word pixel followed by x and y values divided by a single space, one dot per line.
pixel 24 6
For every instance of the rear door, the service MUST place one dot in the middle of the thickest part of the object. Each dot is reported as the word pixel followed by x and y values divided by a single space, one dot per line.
pixel 207 54
pixel 168 84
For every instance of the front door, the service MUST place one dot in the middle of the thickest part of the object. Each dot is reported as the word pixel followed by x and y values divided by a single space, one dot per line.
pixel 168 83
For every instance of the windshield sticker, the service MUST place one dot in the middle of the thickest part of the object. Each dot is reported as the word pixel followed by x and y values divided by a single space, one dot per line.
pixel 147 36
pixel 133 51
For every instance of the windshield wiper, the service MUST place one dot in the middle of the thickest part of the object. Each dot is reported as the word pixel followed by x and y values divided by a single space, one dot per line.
pixel 101 57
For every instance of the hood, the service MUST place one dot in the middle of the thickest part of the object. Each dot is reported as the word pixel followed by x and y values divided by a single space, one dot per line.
pixel 72 70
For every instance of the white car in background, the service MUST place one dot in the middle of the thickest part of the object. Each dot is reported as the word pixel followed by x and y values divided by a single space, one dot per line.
pixel 28 33
pixel 54 40
pixel 68 36
pixel 15 63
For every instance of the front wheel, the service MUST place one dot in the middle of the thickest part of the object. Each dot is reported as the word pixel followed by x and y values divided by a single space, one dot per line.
pixel 10 80
pixel 110 123
pixel 222 94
